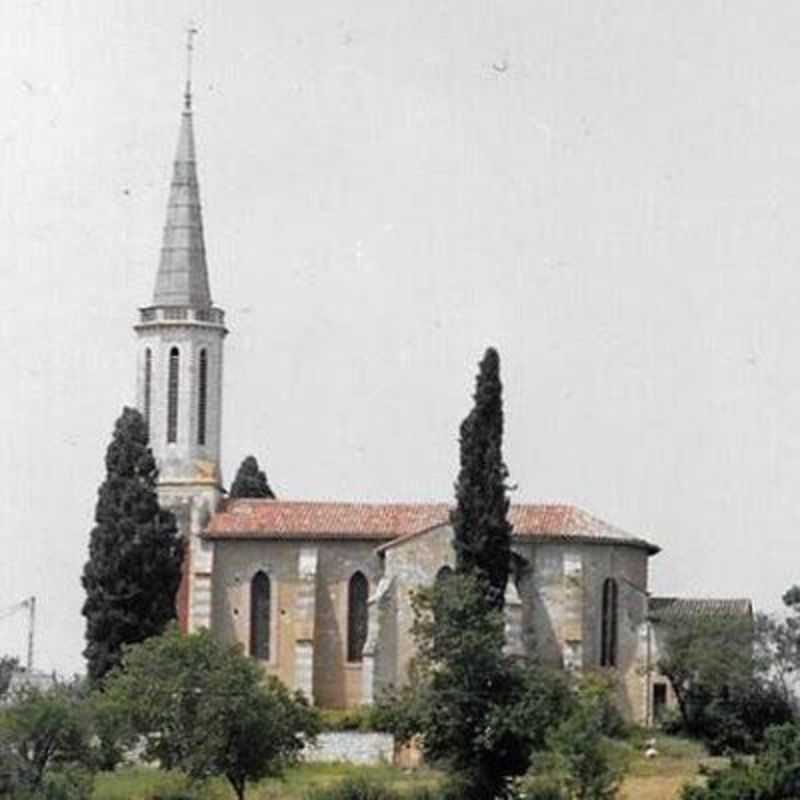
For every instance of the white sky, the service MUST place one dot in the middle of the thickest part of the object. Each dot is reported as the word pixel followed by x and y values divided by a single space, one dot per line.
pixel 609 192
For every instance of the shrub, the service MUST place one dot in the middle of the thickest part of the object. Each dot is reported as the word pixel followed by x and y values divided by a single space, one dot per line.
pixel 598 689
pixel 579 763
pixel 737 721
pixel 71 783
pixel 362 788
pixel 362 718
pixel 774 775
pixel 355 789
pixel 537 787
pixel 737 782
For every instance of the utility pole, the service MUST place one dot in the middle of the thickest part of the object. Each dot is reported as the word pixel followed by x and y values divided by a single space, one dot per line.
pixel 28 603
pixel 31 602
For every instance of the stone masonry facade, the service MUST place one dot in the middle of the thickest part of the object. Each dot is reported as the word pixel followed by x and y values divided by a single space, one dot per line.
pixel 320 592
pixel 554 603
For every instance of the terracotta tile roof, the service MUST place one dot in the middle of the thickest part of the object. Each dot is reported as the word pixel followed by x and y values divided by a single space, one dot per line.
pixel 267 519
pixel 392 523
pixel 689 607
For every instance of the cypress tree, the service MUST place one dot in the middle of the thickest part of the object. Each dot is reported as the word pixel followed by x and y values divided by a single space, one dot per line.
pixel 251 481
pixel 135 552
pixel 480 518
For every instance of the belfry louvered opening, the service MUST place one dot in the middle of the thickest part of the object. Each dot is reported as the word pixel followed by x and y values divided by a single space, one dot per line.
pixel 172 395
pixel 202 396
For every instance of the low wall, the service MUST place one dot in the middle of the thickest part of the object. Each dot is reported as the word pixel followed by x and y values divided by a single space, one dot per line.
pixel 354 747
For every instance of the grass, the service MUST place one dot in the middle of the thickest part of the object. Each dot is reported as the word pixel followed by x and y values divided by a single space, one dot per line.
pixel 148 784
pixel 661 778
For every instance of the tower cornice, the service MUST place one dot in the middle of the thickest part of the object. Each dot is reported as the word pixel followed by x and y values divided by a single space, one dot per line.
pixel 171 316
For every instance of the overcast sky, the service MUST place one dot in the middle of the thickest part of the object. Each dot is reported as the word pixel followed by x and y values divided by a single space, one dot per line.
pixel 608 192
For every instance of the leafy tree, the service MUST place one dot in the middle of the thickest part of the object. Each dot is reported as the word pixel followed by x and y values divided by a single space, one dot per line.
pixel 478 711
pixel 135 552
pixel 8 666
pixel 43 734
pixel 480 518
pixel 702 654
pixel 204 708
pixel 251 481
pixel 720 673
pixel 779 646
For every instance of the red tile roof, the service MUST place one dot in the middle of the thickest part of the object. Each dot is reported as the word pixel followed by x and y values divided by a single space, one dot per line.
pixel 391 523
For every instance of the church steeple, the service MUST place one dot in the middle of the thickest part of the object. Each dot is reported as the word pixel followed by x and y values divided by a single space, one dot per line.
pixel 179 382
pixel 181 337
pixel 182 278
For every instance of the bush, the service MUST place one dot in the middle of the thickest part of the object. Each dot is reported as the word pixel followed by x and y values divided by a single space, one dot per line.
pixel 671 722
pixel 537 787
pixel 355 789
pixel 69 783
pixel 736 722
pixel 72 783
pixel 362 788
pixel 737 782
pixel 362 718
pixel 598 690
pixel 580 762
pixel 774 775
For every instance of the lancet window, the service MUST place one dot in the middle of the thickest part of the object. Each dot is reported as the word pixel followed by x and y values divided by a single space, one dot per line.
pixel 608 640
pixel 357 620
pixel 202 396
pixel 260 616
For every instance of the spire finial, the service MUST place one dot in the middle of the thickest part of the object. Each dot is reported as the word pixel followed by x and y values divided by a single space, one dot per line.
pixel 191 32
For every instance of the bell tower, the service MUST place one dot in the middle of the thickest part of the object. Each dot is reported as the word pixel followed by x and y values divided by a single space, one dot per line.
pixel 179 375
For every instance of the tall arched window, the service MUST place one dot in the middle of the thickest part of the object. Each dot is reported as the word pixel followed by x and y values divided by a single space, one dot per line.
pixel 148 386
pixel 172 395
pixel 202 396
pixel 357 596
pixel 260 616
pixel 608 641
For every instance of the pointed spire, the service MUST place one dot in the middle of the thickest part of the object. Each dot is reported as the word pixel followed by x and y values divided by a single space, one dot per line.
pixel 182 278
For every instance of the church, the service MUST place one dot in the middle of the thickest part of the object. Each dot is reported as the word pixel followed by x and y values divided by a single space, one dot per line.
pixel 319 592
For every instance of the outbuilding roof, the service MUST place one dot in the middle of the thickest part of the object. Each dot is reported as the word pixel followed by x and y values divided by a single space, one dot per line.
pixel 675 608
pixel 392 523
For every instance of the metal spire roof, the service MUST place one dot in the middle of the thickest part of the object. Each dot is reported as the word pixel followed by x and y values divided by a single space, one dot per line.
pixel 182 278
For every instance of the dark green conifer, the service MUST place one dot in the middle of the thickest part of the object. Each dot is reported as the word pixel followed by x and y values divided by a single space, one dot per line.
pixel 135 552
pixel 480 518
pixel 251 481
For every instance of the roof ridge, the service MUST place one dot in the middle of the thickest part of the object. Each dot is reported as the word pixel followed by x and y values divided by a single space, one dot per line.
pixel 351 503
pixel 406 503
pixel 398 521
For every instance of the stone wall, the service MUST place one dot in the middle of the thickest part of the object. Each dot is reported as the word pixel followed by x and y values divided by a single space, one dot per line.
pixel 410 565
pixel 557 614
pixel 353 747
pixel 308 608
pixel 560 587
pixel 337 682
